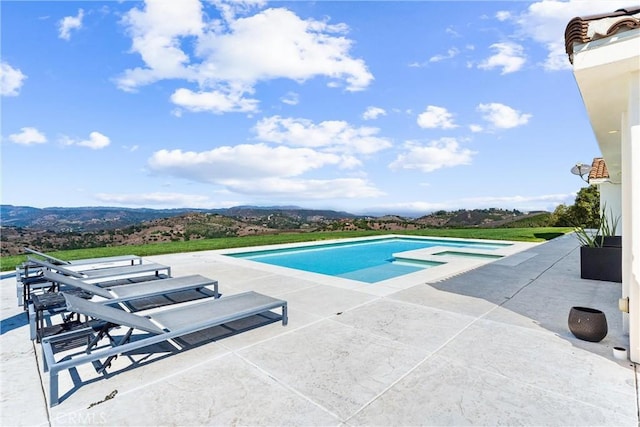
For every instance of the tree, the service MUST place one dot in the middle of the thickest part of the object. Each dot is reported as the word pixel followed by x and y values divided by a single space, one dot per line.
pixel 585 211
pixel 560 217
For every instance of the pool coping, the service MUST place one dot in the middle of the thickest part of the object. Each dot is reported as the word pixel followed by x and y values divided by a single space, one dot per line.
pixel 450 265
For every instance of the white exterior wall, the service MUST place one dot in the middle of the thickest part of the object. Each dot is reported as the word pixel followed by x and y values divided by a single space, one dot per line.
pixel 607 71
pixel 611 200
pixel 630 141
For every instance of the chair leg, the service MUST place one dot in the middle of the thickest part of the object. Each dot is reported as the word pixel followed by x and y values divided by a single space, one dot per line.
pixel 107 363
pixel 101 334
pixel 33 321
pixel 53 388
pixel 285 317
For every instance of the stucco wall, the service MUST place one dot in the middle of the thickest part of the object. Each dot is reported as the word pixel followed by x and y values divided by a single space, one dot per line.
pixel 611 199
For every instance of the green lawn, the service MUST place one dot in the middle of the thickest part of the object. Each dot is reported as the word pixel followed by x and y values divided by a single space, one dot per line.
pixel 517 234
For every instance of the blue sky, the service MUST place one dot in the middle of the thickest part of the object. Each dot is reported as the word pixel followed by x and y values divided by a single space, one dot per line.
pixel 380 106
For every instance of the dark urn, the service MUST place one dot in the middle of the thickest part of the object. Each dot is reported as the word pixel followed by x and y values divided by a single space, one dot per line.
pixel 588 324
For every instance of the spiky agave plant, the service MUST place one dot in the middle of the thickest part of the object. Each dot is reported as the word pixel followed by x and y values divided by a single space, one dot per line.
pixel 595 238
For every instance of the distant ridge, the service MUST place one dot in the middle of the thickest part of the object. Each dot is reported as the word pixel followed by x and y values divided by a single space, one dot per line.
pixel 51 229
pixel 107 218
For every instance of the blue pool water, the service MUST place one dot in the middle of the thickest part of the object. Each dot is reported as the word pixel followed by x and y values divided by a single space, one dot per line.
pixel 367 261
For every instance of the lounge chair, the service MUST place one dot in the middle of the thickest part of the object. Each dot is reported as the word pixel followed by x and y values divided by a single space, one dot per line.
pixel 175 322
pixel 125 294
pixel 119 293
pixel 30 273
pixel 120 259
pixel 90 275
pixel 99 274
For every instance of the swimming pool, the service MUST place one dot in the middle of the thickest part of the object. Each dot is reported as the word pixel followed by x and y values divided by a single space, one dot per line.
pixel 369 261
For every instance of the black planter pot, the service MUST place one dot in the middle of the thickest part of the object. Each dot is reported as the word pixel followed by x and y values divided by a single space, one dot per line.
pixel 601 263
pixel 609 241
pixel 588 324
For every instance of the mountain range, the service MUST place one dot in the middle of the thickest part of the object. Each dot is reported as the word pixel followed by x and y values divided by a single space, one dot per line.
pixel 82 219
pixel 50 229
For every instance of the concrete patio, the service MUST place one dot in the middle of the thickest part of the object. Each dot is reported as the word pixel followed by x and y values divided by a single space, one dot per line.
pixel 487 347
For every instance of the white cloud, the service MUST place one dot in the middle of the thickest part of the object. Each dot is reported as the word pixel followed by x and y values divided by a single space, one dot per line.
pixel 451 53
pixel 231 8
pixel 502 116
pixel 291 98
pixel 69 23
pixel 28 136
pixel 11 80
pixel 307 189
pixel 264 170
pixel 243 169
pixel 233 54
pixel 373 113
pixel 349 162
pixel 442 153
pixel 436 117
pixel 509 56
pixel 452 32
pixel 545 22
pixel 475 128
pixel 503 15
pixel 331 136
pixel 96 141
pixel 523 203
pixel 216 102
pixel 158 41
pixel 245 161
pixel 276 43
pixel 155 199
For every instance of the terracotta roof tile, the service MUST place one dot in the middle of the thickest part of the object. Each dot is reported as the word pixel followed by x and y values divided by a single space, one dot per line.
pixel 587 28
pixel 598 169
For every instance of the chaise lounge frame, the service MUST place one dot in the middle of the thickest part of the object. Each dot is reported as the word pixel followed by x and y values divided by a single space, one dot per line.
pixel 25 272
pixel 90 275
pixel 97 275
pixel 118 259
pixel 121 293
pixel 178 321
